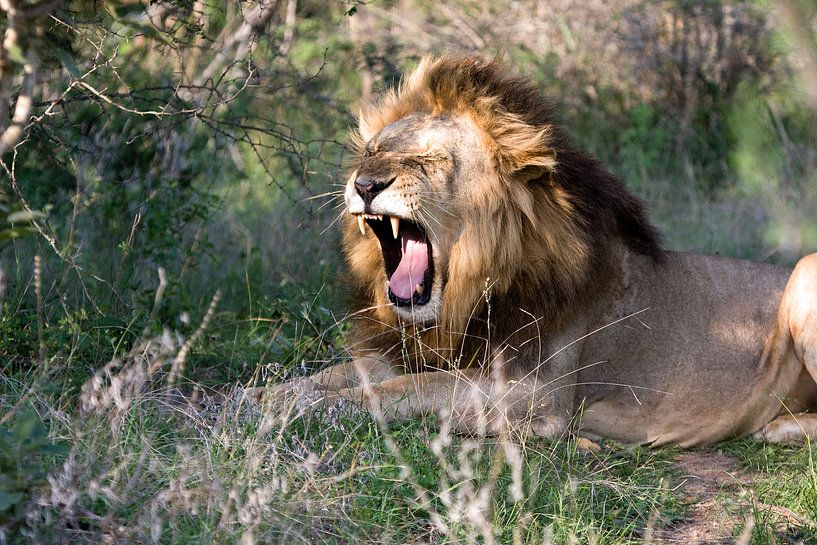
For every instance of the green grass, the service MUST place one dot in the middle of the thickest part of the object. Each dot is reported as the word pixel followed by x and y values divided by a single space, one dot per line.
pixel 143 466
pixel 783 491
pixel 152 469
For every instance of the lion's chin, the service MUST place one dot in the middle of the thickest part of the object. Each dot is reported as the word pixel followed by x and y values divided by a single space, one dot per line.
pixel 427 314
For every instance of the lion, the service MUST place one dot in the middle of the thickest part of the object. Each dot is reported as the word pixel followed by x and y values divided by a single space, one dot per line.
pixel 503 277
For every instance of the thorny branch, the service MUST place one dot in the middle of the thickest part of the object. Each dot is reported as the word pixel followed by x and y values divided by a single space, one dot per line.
pixel 233 47
pixel 202 77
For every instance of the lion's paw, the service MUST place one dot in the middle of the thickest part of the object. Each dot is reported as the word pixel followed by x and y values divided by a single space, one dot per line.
pixel 302 396
pixel 780 430
pixel 586 446
pixel 298 393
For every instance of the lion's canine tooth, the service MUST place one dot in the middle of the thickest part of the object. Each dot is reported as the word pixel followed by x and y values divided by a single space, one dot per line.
pixel 395 225
pixel 419 289
pixel 380 217
pixel 361 223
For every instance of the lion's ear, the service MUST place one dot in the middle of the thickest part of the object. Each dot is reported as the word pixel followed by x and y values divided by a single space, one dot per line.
pixel 530 173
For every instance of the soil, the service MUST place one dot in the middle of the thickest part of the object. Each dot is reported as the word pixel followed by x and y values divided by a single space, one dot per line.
pixel 720 504
pixel 705 476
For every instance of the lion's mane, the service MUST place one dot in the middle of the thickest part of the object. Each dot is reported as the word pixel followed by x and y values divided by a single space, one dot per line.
pixel 541 235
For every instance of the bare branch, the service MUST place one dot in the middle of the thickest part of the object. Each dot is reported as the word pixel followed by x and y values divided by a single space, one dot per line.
pixel 10 133
pixel 2 288
pixel 158 13
pixel 22 108
pixel 235 46
pixel 289 27
pixel 7 65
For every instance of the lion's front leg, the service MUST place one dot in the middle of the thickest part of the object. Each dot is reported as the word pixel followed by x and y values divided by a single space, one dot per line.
pixel 476 402
pixel 370 368
pixel 530 391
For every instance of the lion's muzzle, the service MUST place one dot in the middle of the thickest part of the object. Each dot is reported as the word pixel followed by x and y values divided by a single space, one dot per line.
pixel 407 257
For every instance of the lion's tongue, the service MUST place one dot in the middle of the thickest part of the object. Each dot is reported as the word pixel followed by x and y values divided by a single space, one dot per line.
pixel 411 270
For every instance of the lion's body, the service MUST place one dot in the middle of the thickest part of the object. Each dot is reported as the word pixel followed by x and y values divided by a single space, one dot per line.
pixel 503 275
pixel 688 368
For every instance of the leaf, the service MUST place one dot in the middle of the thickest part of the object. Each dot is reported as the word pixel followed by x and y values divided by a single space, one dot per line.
pixel 51 449
pixel 106 322
pixel 27 428
pixel 8 234
pixel 24 216
pixel 16 54
pixel 9 499
pixel 68 63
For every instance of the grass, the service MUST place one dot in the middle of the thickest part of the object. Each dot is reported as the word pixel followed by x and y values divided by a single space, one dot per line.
pixel 144 469
pixel 137 462
pixel 129 460
pixel 783 491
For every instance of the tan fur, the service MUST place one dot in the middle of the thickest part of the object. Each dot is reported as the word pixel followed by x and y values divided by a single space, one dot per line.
pixel 552 299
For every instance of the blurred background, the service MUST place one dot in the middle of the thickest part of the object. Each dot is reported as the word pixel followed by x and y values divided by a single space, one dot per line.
pixel 156 153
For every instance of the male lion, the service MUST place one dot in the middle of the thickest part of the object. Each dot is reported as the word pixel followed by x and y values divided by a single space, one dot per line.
pixel 501 274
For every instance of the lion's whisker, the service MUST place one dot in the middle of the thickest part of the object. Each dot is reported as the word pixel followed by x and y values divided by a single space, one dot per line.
pixel 333 222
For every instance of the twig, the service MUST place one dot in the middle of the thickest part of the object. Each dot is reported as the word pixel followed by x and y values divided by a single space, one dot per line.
pixel 38 290
pixel 157 300
pixel 2 288
pixel 234 47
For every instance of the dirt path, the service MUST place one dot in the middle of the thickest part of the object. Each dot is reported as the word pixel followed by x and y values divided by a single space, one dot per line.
pixel 705 476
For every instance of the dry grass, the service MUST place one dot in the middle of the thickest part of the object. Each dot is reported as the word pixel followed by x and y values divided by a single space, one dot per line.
pixel 148 464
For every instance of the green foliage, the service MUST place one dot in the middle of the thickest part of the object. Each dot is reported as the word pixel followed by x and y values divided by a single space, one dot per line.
pixel 27 455
pixel 785 477
pixel 287 336
pixel 15 221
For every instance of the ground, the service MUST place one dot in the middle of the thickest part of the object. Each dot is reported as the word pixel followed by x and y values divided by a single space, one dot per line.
pixel 722 505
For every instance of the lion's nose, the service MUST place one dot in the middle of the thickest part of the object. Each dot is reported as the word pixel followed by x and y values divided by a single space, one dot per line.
pixel 368 189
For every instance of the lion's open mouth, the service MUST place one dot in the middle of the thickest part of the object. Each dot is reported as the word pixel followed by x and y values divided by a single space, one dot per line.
pixel 407 256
